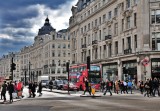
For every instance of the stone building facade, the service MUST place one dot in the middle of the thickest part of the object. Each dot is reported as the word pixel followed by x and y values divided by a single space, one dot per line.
pixel 47 56
pixel 120 35
pixel 5 66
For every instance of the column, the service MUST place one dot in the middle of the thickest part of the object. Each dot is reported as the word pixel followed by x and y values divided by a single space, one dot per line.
pixel 120 71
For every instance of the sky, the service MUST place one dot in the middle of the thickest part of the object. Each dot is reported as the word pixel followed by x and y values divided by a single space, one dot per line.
pixel 20 20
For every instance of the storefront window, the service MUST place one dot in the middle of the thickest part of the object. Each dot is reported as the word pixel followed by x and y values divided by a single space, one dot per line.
pixel 155 68
pixel 129 71
pixel 110 71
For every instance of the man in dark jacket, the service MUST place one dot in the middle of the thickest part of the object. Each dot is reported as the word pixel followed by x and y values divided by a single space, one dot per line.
pixel 30 88
pixel 4 89
pixel 155 87
pixel 11 90
pixel 33 90
pixel 108 87
pixel 40 88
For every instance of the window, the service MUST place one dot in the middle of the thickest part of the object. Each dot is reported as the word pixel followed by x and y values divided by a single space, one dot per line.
pixel 109 30
pixel 85 28
pixel 99 20
pixel 59 46
pixel 128 3
pixel 135 41
pixel 100 35
pixel 64 46
pixel 156 41
pixel 122 25
pixel 115 11
pixel 53 54
pixel 96 22
pixel 129 42
pixel 59 54
pixel 89 26
pixel 135 19
pixel 155 16
pixel 64 54
pixel 128 22
pixel 116 28
pixel 116 47
pixel 122 7
pixel 109 15
pixel 68 46
pixel 81 30
pixel 53 37
pixel 53 46
pixel 104 17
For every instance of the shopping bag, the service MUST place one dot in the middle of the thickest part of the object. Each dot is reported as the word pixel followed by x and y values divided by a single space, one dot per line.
pixel 20 93
pixel 14 95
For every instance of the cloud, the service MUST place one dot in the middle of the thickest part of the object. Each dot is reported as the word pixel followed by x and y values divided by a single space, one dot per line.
pixel 20 23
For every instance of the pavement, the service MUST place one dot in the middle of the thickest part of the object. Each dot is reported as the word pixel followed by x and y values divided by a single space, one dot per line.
pixel 97 93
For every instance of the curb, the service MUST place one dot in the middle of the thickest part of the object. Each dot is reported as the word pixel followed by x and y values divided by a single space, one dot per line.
pixel 90 96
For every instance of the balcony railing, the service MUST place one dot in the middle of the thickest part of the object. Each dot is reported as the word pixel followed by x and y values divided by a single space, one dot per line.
pixel 94 42
pixel 128 51
pixel 45 66
pixel 108 37
pixel 84 46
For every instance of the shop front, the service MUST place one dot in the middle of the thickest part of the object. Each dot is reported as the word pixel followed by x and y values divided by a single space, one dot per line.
pixel 155 67
pixel 129 70
pixel 110 71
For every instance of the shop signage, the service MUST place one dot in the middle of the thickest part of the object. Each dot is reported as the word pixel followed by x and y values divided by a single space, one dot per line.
pixel 145 62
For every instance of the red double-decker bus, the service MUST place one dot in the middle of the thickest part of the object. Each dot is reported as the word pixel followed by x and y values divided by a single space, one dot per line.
pixel 78 73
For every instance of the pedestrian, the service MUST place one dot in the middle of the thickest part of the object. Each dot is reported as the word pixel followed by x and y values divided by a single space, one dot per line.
pixel 108 87
pixel 40 88
pixel 10 91
pixel 87 87
pixel 102 85
pixel 50 85
pixel 141 87
pixel 33 90
pixel 155 87
pixel 116 86
pixel 151 87
pixel 4 89
pixel 129 86
pixel 125 86
pixel 147 88
pixel 122 87
pixel 30 88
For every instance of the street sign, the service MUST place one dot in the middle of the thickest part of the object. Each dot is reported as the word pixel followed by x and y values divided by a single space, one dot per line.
pixel 145 62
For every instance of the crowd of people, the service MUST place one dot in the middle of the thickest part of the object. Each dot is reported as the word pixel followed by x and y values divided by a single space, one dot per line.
pixel 149 88
pixel 12 88
pixel 15 90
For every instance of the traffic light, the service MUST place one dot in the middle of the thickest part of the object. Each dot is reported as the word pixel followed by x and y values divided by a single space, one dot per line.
pixel 13 67
pixel 88 62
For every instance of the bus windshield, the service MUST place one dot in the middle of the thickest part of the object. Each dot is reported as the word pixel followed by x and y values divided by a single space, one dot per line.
pixel 73 80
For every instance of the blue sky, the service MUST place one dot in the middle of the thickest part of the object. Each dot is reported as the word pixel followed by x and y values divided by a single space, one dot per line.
pixel 20 20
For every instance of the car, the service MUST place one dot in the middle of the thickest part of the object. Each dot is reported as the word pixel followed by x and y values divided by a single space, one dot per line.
pixel 58 84
pixel 72 86
pixel 45 83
